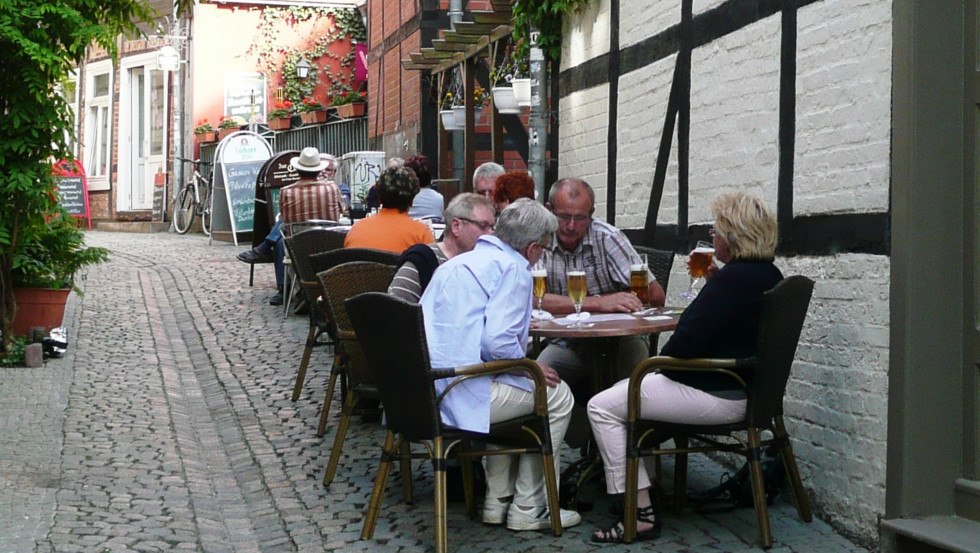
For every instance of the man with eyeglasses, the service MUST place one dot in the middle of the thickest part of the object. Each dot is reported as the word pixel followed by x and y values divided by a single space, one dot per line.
pixel 468 217
pixel 605 254
pixel 314 196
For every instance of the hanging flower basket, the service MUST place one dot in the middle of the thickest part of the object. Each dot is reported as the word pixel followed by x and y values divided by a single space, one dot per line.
pixel 522 91
pixel 449 120
pixel 278 124
pixel 460 113
pixel 503 99
pixel 355 109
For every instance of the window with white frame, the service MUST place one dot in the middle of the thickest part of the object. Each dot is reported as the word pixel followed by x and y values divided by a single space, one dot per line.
pixel 97 141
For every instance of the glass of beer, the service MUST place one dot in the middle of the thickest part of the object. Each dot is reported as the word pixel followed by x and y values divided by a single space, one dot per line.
pixel 640 280
pixel 577 291
pixel 697 265
pixel 540 277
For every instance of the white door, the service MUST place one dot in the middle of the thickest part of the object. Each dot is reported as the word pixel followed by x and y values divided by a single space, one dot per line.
pixel 145 135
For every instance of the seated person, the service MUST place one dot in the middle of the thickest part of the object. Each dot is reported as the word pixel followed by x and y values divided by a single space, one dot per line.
pixel 373 200
pixel 478 308
pixel 428 203
pixel 605 254
pixel 313 196
pixel 510 186
pixel 468 217
pixel 391 228
pixel 484 178
pixel 722 321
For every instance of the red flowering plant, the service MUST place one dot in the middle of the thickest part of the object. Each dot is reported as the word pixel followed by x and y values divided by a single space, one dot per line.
pixel 203 126
pixel 348 97
pixel 307 105
pixel 282 109
pixel 230 122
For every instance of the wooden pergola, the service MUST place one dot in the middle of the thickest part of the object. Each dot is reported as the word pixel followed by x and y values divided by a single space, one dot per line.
pixel 460 47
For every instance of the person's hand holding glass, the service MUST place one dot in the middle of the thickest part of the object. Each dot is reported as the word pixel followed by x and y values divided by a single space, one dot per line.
pixel 697 265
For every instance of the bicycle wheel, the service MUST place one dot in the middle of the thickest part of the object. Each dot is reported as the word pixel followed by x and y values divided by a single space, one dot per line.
pixel 206 211
pixel 184 210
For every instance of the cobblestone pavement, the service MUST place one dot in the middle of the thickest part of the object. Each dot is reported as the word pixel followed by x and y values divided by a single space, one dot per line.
pixel 168 427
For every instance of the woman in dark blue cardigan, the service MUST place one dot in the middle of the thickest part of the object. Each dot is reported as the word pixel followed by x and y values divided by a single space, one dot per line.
pixel 722 321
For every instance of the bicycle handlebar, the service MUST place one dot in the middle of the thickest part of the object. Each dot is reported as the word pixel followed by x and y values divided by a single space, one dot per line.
pixel 194 161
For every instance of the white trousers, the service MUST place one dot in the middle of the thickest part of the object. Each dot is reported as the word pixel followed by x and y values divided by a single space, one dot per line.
pixel 660 399
pixel 522 476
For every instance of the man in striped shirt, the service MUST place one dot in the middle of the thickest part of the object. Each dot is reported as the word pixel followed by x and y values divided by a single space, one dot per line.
pixel 605 254
pixel 468 217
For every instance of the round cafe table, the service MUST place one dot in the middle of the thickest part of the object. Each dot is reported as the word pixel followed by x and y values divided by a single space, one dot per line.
pixel 602 330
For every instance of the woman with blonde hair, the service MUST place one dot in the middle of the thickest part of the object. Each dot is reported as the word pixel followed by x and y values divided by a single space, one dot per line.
pixel 722 321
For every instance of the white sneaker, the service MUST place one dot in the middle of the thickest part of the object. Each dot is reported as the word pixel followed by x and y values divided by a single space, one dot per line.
pixel 538 518
pixel 494 511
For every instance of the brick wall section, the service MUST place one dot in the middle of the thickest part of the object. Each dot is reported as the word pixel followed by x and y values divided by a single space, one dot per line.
pixel 837 398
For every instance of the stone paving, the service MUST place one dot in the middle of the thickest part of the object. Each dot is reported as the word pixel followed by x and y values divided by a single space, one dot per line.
pixel 168 426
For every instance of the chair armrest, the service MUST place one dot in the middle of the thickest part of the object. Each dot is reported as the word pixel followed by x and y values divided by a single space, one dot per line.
pixel 502 366
pixel 658 363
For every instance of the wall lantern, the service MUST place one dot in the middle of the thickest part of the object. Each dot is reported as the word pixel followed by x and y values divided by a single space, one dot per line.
pixel 168 59
pixel 303 68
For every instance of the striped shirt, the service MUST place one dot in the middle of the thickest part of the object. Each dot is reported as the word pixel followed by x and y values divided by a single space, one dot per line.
pixel 605 254
pixel 305 200
pixel 406 284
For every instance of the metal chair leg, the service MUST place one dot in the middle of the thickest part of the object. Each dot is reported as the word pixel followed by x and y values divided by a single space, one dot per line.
pixel 406 470
pixel 305 361
pixel 680 475
pixel 800 499
pixel 551 488
pixel 335 372
pixel 758 490
pixel 380 483
pixel 439 472
pixel 338 441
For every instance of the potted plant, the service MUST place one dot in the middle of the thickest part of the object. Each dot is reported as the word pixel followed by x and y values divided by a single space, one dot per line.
pixel 503 91
pixel 278 118
pixel 44 269
pixel 204 132
pixel 480 96
pixel 311 111
pixel 350 104
pixel 521 82
pixel 447 114
pixel 229 124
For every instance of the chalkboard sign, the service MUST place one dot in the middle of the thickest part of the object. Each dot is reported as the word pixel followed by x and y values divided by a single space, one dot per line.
pixel 240 158
pixel 69 178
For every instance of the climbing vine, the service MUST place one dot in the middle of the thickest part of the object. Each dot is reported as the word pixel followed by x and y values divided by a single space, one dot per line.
pixel 546 16
pixel 268 51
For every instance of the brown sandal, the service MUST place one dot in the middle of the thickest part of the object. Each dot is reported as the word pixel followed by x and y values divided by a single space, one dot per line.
pixel 616 533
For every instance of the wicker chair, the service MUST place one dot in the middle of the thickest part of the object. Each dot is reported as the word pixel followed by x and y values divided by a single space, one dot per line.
pixel 300 246
pixel 319 263
pixel 781 321
pixel 393 336
pixel 338 284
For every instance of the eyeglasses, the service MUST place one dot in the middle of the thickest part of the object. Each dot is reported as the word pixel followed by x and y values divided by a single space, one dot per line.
pixel 576 219
pixel 484 226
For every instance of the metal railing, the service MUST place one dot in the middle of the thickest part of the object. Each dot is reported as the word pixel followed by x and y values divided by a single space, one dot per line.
pixel 335 137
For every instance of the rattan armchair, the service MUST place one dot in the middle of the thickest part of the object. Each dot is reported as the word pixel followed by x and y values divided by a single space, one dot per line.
pixel 781 322
pixel 393 335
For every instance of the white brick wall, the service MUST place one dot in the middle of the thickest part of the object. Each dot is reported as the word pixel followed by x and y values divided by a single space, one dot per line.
pixel 837 399
pixel 586 36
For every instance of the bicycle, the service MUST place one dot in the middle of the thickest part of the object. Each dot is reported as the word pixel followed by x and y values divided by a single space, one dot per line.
pixel 193 199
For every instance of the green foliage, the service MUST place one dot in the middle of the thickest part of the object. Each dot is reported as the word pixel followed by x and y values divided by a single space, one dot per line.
pixel 546 16
pixel 41 43
pixel 50 256
pixel 15 354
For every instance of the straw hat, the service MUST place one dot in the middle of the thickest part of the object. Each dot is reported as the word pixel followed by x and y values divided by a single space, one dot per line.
pixel 309 160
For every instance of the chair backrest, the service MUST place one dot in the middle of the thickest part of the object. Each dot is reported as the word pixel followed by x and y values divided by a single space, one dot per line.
pixel 346 281
pixel 302 245
pixel 660 263
pixel 290 229
pixel 393 335
pixel 781 320
pixel 325 260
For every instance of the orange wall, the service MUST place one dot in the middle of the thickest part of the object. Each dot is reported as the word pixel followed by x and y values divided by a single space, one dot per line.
pixel 216 51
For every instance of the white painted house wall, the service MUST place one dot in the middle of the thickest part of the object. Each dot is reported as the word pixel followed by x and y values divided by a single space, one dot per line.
pixel 837 397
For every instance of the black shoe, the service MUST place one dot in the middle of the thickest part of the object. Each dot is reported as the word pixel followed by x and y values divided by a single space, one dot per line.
pixel 255 256
pixel 277 299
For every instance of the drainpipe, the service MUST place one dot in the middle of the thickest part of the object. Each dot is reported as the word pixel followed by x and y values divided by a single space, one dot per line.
pixel 455 16
pixel 538 122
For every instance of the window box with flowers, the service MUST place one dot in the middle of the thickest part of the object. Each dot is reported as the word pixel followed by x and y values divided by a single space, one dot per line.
pixel 204 132
pixel 278 118
pixel 311 111
pixel 350 104
pixel 229 124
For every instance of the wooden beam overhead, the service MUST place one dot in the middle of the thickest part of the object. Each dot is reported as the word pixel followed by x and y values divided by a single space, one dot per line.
pixel 470 28
pixel 492 18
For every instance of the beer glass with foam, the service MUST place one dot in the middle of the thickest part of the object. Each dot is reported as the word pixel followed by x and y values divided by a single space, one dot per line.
pixel 577 291
pixel 640 281
pixel 540 277
pixel 698 263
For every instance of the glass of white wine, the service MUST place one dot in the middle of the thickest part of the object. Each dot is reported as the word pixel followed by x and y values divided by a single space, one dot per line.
pixel 576 291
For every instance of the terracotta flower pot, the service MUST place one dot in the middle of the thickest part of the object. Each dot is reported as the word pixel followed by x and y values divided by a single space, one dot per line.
pixel 204 137
pixel 222 133
pixel 279 124
pixel 356 109
pixel 314 117
pixel 38 307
